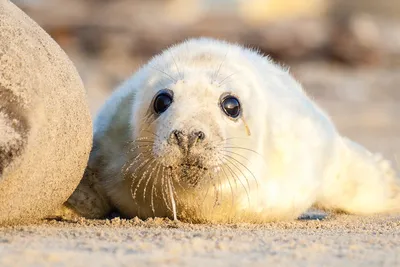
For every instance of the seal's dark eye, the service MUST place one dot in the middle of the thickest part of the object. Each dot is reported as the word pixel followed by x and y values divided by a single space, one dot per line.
pixel 231 106
pixel 162 102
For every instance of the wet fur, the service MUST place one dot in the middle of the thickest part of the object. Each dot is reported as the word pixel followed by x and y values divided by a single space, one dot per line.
pixel 281 157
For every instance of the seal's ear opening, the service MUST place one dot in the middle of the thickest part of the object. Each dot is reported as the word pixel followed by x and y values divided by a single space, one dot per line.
pixel 14 129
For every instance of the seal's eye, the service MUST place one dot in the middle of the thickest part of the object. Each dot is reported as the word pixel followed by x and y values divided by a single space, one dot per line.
pixel 231 106
pixel 162 101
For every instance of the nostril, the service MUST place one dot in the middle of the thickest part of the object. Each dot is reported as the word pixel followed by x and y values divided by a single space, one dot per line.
pixel 201 135
pixel 177 135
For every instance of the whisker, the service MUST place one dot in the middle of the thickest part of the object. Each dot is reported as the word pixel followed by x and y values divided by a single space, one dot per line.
pixel 247 180
pixel 146 122
pixel 220 187
pixel 171 194
pixel 235 153
pixel 244 166
pixel 126 168
pixel 136 148
pixel 166 74
pixel 177 180
pixel 163 193
pixel 143 138
pixel 176 65
pixel 205 196
pixel 243 156
pixel 230 138
pixel 159 173
pixel 215 76
pixel 244 148
pixel 223 165
pixel 153 187
pixel 237 178
pixel 142 141
pixel 217 190
pixel 134 176
pixel 174 191
pixel 147 118
pixel 150 124
pixel 227 77
pixel 216 195
pixel 151 133
pixel 230 186
pixel 150 176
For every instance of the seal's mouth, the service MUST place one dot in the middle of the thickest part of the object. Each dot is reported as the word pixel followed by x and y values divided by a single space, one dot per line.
pixel 190 174
pixel 193 166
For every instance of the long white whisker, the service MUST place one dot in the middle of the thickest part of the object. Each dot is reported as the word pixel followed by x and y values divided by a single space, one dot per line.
pixel 244 166
pixel 230 185
pixel 237 177
pixel 150 132
pixel 126 168
pixel 134 176
pixel 245 177
pixel 163 189
pixel 153 187
pixel 244 148
pixel 150 176
pixel 172 200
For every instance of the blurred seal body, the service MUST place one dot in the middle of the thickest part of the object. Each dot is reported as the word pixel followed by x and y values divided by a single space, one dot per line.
pixel 45 127
pixel 210 131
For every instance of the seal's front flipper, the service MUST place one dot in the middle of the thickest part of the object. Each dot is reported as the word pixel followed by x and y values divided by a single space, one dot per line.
pixel 359 182
pixel 88 199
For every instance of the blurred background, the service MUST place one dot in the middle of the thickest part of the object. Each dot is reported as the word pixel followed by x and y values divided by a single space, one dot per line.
pixel 345 53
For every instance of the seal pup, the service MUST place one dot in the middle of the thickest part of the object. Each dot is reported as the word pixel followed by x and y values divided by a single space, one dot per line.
pixel 212 131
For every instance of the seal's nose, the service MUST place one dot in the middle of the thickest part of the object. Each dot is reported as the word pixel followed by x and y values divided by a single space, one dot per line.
pixel 186 140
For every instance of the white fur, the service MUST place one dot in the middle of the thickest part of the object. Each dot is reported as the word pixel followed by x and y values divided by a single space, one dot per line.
pixel 301 159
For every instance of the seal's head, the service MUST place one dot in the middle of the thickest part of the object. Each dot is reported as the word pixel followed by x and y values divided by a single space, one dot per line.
pixel 190 120
pixel 196 120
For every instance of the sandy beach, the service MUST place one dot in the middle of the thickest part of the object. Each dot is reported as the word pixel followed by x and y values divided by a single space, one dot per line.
pixel 336 240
